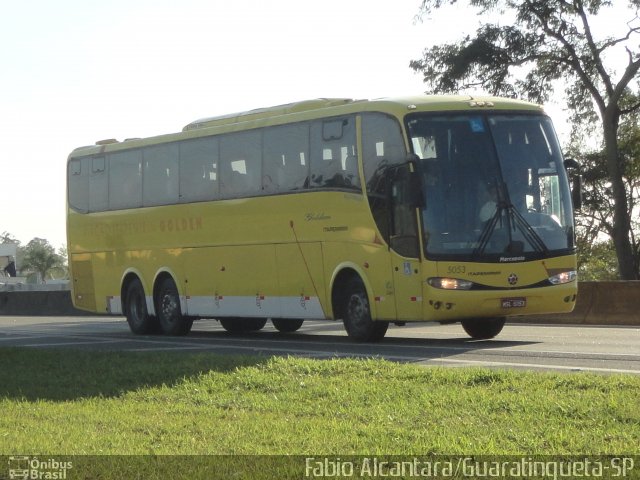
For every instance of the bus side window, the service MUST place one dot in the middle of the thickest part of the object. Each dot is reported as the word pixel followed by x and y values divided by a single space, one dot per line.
pixel 241 164
pixel 160 175
pixel 333 151
pixel 98 185
pixel 382 145
pixel 125 179
pixel 78 181
pixel 199 170
pixel 285 150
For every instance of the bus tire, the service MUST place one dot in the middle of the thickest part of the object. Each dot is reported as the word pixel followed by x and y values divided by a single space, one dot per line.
pixel 254 324
pixel 356 314
pixel 135 308
pixel 167 303
pixel 242 325
pixel 232 324
pixel 483 328
pixel 287 325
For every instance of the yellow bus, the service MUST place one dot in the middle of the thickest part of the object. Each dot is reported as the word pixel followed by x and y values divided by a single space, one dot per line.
pixel 433 208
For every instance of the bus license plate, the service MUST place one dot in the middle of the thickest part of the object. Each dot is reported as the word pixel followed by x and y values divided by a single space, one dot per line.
pixel 514 302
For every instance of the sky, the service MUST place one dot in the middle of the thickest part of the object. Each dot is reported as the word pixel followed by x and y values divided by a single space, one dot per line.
pixel 78 71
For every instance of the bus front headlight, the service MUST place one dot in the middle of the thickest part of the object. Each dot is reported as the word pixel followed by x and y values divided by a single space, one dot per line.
pixel 563 277
pixel 449 283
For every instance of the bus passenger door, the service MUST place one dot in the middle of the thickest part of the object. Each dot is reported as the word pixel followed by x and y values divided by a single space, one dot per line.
pixel 405 247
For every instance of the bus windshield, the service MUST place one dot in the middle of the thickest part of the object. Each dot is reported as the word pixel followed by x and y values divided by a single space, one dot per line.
pixel 495 187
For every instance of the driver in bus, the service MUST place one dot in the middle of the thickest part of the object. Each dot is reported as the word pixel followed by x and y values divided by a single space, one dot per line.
pixel 488 199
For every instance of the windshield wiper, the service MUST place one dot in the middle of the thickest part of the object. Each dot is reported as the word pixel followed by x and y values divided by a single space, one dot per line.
pixel 488 229
pixel 513 216
pixel 528 231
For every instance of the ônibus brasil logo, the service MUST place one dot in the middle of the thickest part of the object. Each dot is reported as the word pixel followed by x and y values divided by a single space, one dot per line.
pixel 23 468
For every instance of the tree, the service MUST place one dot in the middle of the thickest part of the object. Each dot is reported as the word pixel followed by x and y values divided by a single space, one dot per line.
pixel 62 270
pixel 40 257
pixel 551 41
pixel 595 218
pixel 6 237
pixel 596 261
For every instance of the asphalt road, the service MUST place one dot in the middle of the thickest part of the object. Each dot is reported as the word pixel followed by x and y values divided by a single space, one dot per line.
pixel 532 347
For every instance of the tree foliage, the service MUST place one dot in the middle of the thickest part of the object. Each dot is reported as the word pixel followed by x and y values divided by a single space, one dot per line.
pixel 595 218
pixel 553 39
pixel 596 261
pixel 6 237
pixel 41 258
pixel 548 43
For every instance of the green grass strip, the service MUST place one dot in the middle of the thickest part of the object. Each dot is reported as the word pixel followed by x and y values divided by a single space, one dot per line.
pixel 73 402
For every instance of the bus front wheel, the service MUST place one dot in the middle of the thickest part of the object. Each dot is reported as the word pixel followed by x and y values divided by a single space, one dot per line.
pixel 356 314
pixel 483 328
pixel 168 310
pixel 135 307
pixel 287 325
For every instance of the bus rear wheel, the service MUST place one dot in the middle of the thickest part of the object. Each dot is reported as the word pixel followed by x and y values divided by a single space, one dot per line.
pixel 356 314
pixel 483 328
pixel 242 325
pixel 168 310
pixel 287 325
pixel 135 308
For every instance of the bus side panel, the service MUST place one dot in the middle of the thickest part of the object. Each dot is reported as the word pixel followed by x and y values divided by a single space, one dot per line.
pixel 82 284
pixel 372 263
pixel 302 282
pixel 112 266
pixel 232 281
pixel 379 272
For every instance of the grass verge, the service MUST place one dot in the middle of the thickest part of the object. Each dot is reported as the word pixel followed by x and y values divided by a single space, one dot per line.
pixel 70 402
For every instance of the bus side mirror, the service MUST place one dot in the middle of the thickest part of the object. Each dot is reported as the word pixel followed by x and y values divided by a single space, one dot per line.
pixel 416 196
pixel 573 171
